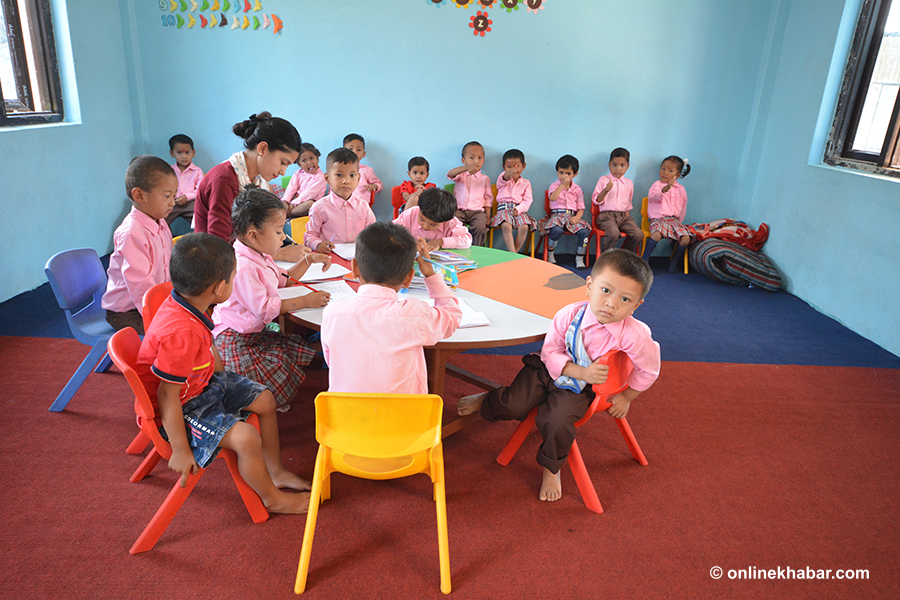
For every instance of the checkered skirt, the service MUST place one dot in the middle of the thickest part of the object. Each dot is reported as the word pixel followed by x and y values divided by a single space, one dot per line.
pixel 670 228
pixel 560 218
pixel 505 214
pixel 274 359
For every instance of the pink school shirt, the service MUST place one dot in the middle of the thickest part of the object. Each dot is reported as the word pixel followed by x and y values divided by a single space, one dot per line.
pixel 305 186
pixel 629 335
pixel 518 192
pixel 619 197
pixel 568 199
pixel 453 233
pixel 333 219
pixel 142 247
pixel 473 192
pixel 373 343
pixel 366 177
pixel 671 204
pixel 254 300
pixel 188 180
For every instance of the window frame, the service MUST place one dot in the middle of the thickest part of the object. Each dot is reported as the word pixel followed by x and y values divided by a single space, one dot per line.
pixel 851 99
pixel 24 112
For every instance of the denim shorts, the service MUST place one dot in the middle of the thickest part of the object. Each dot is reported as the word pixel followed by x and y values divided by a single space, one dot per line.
pixel 209 415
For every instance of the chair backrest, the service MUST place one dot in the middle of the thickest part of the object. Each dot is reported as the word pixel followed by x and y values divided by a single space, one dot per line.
pixel 123 349
pixel 547 202
pixel 372 198
pixel 77 279
pixel 378 425
pixel 396 200
pixel 298 228
pixel 285 181
pixel 450 187
pixel 595 209
pixel 152 300
pixel 620 368
pixel 645 218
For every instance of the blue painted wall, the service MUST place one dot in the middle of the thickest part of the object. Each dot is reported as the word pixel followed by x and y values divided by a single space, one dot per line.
pixel 736 87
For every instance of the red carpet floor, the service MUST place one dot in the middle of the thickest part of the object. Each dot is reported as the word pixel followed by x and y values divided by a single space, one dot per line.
pixel 751 466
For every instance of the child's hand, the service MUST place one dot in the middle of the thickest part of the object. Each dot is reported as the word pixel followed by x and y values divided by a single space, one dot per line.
pixel 515 212
pixel 316 257
pixel 435 245
pixel 509 175
pixel 620 406
pixel 372 187
pixel 288 207
pixel 317 299
pixel 574 220
pixel 325 247
pixel 184 463
pixel 609 186
pixel 181 200
pixel 424 266
pixel 596 373
pixel 473 169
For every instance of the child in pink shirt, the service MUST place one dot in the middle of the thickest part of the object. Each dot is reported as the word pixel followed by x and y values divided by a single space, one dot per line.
pixel 368 181
pixel 307 183
pixel 373 343
pixel 417 169
pixel 181 148
pixel 666 207
pixel 246 345
pixel 142 243
pixel 340 216
pixel 472 188
pixel 560 379
pixel 513 201
pixel 612 196
pixel 566 209
pixel 433 221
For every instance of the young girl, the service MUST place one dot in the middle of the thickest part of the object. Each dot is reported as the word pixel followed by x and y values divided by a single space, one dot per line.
pixel 247 348
pixel 307 184
pixel 666 207
pixel 513 201
pixel 566 209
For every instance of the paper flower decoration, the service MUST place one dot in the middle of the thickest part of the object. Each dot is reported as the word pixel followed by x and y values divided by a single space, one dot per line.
pixel 435 3
pixel 509 5
pixel 487 3
pixel 533 6
pixel 480 23
pixel 463 3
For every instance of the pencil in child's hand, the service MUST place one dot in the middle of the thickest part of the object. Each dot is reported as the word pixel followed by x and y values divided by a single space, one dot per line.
pixel 297 281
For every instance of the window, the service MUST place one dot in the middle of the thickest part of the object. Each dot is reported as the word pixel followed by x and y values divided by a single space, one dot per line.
pixel 864 135
pixel 29 77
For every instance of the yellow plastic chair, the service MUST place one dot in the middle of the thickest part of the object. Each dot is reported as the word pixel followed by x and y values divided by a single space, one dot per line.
pixel 377 436
pixel 531 234
pixel 175 239
pixel 645 228
pixel 298 228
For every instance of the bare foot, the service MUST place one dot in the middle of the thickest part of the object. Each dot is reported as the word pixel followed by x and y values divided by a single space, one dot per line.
pixel 286 480
pixel 469 404
pixel 288 503
pixel 551 487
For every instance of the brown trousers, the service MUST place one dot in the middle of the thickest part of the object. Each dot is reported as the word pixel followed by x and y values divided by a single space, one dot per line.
pixel 132 318
pixel 613 222
pixel 558 409
pixel 476 221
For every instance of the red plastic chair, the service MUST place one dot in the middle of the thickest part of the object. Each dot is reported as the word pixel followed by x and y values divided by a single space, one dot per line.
pixel 372 198
pixel 123 349
pixel 595 232
pixel 620 368
pixel 396 200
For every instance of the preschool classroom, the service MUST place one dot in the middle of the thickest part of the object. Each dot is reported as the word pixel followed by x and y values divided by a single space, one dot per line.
pixel 746 91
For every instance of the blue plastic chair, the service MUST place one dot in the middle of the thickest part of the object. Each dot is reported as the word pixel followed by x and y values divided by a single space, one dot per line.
pixel 78 281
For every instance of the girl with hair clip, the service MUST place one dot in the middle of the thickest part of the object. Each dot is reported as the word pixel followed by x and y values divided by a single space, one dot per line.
pixel 666 207
pixel 307 183
pixel 271 144
pixel 247 346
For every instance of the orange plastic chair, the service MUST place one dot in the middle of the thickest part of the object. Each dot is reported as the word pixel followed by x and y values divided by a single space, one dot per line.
pixel 595 232
pixel 123 349
pixel 620 368
pixel 645 228
pixel 396 200
pixel 377 436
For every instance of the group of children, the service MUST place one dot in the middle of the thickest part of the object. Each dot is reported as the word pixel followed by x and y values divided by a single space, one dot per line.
pixel 213 371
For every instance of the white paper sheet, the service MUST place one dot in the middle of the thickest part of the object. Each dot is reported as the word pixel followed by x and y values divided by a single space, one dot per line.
pixel 315 272
pixel 338 289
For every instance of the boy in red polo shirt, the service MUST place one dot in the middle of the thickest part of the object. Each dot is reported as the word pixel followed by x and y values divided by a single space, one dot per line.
pixel 202 406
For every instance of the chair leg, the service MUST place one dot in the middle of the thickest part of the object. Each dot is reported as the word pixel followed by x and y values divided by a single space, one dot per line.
pixel 84 369
pixel 104 364
pixel 251 499
pixel 138 444
pixel 310 530
pixel 146 466
pixel 517 438
pixel 636 452
pixel 583 480
pixel 437 469
pixel 165 514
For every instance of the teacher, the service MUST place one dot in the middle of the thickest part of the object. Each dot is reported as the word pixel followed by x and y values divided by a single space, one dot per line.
pixel 271 145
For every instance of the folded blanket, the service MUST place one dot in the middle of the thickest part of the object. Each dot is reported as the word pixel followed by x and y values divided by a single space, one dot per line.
pixel 734 264
pixel 732 231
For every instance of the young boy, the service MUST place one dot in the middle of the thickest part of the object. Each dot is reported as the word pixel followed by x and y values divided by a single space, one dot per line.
pixel 181 148
pixel 340 216
pixel 513 201
pixel 433 221
pixel 566 209
pixel 560 380
pixel 613 195
pixel 474 196
pixel 417 169
pixel 202 406
pixel 368 182
pixel 373 343
pixel 142 243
